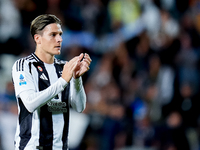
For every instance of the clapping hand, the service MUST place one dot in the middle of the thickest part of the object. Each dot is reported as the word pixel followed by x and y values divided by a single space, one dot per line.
pixel 76 67
pixel 82 65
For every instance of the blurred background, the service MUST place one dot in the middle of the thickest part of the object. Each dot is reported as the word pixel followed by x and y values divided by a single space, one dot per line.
pixel 144 81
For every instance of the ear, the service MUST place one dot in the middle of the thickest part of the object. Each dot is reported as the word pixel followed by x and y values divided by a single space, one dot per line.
pixel 37 38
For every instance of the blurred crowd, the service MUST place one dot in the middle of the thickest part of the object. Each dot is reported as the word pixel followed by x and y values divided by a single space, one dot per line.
pixel 144 81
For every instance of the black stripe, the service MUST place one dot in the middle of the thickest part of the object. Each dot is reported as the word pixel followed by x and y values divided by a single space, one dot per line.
pixel 29 57
pixel 36 58
pixel 22 65
pixel 25 122
pixel 30 67
pixel 46 124
pixel 65 95
pixel 58 68
pixel 17 66
pixel 59 62
pixel 46 128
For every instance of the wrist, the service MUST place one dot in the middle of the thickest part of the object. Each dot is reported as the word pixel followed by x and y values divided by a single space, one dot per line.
pixel 67 79
pixel 75 76
pixel 77 83
pixel 63 82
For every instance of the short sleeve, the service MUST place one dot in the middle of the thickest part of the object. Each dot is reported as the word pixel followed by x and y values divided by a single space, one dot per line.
pixel 21 76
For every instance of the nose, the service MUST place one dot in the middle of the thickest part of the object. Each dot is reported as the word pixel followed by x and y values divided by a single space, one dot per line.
pixel 59 38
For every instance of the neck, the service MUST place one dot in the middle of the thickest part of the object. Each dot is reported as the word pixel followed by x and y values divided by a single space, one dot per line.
pixel 45 57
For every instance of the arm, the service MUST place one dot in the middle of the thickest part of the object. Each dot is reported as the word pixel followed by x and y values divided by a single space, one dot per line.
pixel 77 94
pixel 25 89
pixel 32 100
pixel 77 97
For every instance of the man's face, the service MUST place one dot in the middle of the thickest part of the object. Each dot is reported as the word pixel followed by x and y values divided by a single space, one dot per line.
pixel 50 39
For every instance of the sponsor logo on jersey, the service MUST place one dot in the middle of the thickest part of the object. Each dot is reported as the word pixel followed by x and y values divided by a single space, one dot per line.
pixel 22 80
pixel 57 106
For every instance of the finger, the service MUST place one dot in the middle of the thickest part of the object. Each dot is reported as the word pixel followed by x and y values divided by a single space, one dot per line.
pixel 74 65
pixel 81 57
pixel 83 70
pixel 86 62
pixel 87 57
pixel 66 64
pixel 74 60
pixel 86 68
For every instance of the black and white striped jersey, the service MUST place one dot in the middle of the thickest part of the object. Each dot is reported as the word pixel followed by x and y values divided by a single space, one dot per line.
pixel 44 98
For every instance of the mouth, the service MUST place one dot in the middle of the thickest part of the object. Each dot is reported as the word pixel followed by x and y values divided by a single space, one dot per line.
pixel 58 47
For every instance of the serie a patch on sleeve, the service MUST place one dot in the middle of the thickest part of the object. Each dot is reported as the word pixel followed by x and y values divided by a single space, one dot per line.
pixel 22 80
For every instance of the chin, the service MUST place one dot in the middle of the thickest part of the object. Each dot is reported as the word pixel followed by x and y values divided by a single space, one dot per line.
pixel 57 53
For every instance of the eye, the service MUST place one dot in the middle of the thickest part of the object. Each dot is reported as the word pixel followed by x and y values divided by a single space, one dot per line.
pixel 53 34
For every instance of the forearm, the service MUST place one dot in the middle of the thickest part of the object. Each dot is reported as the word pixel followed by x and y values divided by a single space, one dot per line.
pixel 77 95
pixel 32 100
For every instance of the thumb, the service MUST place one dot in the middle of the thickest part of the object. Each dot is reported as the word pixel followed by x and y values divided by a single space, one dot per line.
pixel 75 65
pixel 81 56
pixel 66 64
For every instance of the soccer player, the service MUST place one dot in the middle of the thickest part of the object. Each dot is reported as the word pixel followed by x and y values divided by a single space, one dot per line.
pixel 46 88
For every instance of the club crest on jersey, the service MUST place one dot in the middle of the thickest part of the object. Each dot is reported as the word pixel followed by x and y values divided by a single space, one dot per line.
pixel 40 68
pixel 22 81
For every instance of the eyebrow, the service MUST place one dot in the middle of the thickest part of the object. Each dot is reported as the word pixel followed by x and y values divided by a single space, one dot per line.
pixel 58 32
